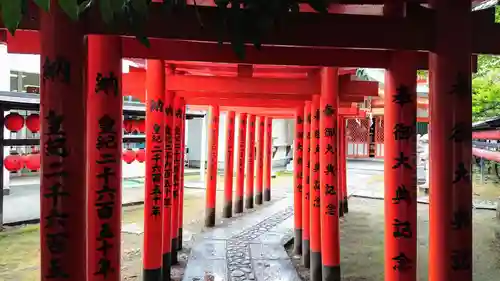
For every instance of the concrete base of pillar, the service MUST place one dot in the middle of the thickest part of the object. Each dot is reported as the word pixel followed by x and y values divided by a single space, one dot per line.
pixel 6 191
pixel 209 217
pixel 306 253
pixel 238 205
pixel 173 254
pixel 316 266
pixel 258 198
pixel 227 210
pixel 167 267
pixel 151 274
pixel 297 242
pixel 331 273
pixel 249 202
pixel 267 194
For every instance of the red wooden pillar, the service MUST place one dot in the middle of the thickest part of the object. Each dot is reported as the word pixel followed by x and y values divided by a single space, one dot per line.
pixel 229 164
pixel 240 173
pixel 315 192
pixel 181 180
pixel 340 194
pixel 213 146
pixel 298 151
pixel 168 180
pixel 268 155
pixel 450 233
pixel 343 163
pixel 330 244
pixel 306 164
pixel 400 115
pixel 155 86
pixel 259 182
pixel 104 150
pixel 63 182
pixel 251 161
pixel 178 120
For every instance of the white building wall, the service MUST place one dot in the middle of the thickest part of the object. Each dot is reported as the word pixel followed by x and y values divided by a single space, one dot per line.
pixel 5 86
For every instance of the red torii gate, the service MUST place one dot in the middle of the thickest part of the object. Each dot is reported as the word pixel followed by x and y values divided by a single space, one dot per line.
pixel 449 31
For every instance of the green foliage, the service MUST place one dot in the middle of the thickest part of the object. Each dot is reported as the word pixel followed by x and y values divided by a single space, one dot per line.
pixel 486 98
pixel 245 21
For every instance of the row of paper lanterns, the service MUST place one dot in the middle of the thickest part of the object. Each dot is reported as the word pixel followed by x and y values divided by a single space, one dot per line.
pixel 15 122
pixel 15 162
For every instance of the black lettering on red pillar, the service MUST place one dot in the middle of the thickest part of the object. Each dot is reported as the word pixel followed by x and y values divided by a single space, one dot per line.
pixel 104 150
pixel 55 238
pixel 259 181
pixel 178 116
pixel 240 173
pixel 63 184
pixel 251 162
pixel 329 199
pixel 297 178
pixel 211 181
pixel 168 178
pixel 154 183
pixel 106 195
pixel 268 148
pixel 400 173
pixel 181 181
pixel 315 171
pixel 306 184
pixel 227 211
pixel 461 139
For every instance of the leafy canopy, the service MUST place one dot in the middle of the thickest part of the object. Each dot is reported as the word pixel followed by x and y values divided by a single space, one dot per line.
pixel 246 21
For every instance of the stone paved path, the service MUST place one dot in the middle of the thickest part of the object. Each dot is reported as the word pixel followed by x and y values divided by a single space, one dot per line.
pixel 250 247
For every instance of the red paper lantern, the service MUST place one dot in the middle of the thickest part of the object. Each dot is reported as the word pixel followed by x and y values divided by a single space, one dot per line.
pixel 139 126
pixel 128 156
pixel 140 155
pixel 14 122
pixel 32 161
pixel 13 162
pixel 128 126
pixel 33 123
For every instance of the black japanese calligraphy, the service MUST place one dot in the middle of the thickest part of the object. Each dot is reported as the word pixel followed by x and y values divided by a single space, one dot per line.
pixel 402 131
pixel 60 69
pixel 461 260
pixel 402 229
pixel 55 142
pixel 403 263
pixel 402 96
pixel 107 84
pixel 462 86
pixel 156 105
pixel 402 160
pixel 331 210
pixel 461 219
pixel 402 194
pixel 329 110
pixel 461 173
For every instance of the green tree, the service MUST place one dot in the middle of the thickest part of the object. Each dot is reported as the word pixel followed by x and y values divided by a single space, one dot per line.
pixel 486 97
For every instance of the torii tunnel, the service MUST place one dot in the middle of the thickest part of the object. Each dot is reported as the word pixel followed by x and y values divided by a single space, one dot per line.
pixel 300 73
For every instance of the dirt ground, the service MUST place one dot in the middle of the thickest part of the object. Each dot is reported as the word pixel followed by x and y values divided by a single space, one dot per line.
pixel 20 246
pixel 362 243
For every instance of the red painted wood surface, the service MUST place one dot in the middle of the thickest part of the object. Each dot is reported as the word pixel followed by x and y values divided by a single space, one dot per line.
pixel 298 174
pixel 240 172
pixel 400 112
pixel 63 180
pixel 411 32
pixel 330 244
pixel 487 135
pixel 153 209
pixel 104 151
